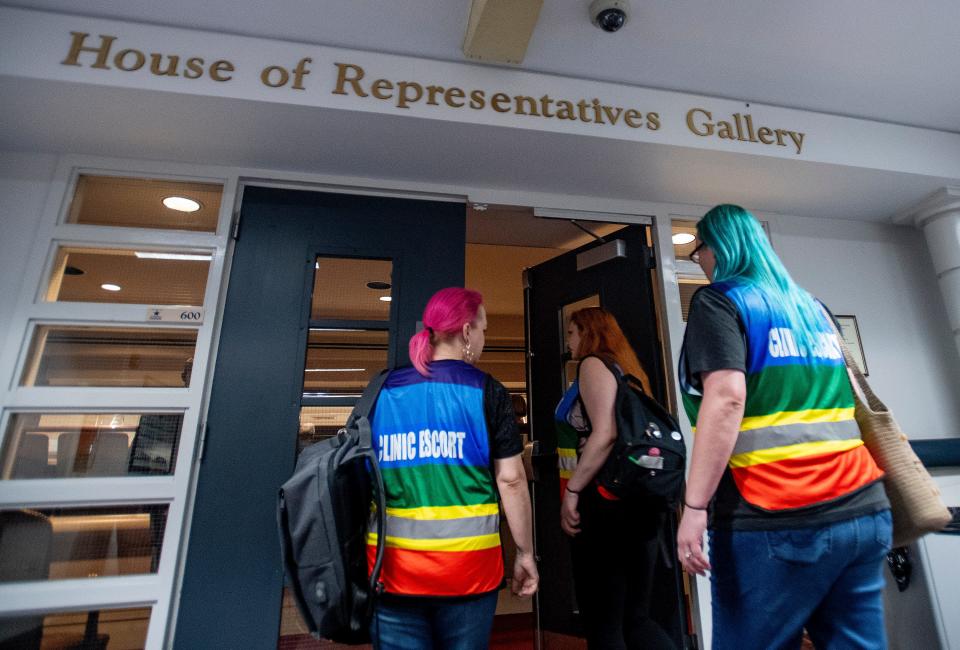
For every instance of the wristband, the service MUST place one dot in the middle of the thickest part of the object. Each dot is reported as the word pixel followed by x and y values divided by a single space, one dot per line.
pixel 572 491
pixel 687 505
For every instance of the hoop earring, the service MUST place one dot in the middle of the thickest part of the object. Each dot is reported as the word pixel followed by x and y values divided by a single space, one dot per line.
pixel 468 354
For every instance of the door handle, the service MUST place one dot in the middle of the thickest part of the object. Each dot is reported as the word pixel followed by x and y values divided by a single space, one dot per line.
pixel 533 458
pixel 527 457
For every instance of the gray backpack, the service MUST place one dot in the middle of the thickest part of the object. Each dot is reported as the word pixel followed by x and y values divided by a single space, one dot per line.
pixel 323 513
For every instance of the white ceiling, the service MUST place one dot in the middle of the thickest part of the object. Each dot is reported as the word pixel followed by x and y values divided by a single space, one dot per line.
pixel 887 60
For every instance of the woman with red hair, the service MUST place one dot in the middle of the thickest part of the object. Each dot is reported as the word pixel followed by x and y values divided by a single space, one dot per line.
pixel 613 544
pixel 449 450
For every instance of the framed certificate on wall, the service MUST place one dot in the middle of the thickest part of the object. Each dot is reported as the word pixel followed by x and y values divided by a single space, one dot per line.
pixel 851 336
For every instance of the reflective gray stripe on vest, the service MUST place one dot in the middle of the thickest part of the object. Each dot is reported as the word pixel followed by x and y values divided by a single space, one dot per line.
pixel 441 528
pixel 792 434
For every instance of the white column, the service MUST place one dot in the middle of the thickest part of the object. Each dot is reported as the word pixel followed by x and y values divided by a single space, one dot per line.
pixel 939 218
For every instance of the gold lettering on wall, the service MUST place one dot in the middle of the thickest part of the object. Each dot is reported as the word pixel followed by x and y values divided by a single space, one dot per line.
pixel 105 52
pixel 95 53
pixel 351 80
pixel 740 127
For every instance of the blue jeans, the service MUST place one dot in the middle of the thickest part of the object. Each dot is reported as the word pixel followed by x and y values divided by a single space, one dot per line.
pixel 768 586
pixel 459 625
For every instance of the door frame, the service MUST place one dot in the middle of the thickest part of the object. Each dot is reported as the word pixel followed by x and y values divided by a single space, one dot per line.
pixel 319 220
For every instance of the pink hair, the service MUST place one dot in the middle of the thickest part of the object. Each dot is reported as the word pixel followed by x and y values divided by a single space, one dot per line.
pixel 447 311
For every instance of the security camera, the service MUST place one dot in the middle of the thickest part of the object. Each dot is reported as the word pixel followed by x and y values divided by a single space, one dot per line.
pixel 609 15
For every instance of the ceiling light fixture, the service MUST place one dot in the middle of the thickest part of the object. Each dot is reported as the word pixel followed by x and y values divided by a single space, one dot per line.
pixel 147 255
pixel 379 286
pixel 110 287
pixel 682 238
pixel 386 298
pixel 480 207
pixel 181 204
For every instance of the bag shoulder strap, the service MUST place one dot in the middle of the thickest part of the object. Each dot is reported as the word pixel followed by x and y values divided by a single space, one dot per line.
pixel 611 366
pixel 364 406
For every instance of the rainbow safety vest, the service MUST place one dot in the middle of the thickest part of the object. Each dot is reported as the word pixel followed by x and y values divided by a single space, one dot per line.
pixel 443 517
pixel 569 420
pixel 799 444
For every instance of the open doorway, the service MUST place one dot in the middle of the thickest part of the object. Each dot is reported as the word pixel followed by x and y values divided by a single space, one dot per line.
pixel 533 273
pixel 501 242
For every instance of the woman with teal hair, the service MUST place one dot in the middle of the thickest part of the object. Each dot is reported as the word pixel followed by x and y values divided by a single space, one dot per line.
pixel 798 519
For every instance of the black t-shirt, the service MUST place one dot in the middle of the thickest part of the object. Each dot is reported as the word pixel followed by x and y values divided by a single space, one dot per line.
pixel 715 339
pixel 501 421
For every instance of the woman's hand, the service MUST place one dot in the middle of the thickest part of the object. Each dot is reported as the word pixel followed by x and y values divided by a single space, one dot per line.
pixel 525 576
pixel 693 524
pixel 569 515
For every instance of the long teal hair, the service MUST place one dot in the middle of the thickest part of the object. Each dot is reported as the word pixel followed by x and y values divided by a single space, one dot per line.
pixel 743 254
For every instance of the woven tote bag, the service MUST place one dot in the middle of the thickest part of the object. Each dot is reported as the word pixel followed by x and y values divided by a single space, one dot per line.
pixel 915 501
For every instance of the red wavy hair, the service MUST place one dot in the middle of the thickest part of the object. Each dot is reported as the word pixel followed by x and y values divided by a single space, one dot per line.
pixel 600 335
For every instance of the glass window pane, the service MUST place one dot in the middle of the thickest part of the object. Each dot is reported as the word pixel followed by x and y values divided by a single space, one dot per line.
pixel 346 288
pixel 104 629
pixel 139 203
pixel 688 287
pixel 507 365
pixel 64 543
pixel 129 276
pixel 109 356
pixel 684 236
pixel 320 422
pixel 343 361
pixel 75 445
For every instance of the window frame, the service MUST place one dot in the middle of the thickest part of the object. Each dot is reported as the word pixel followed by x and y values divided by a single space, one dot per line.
pixel 156 591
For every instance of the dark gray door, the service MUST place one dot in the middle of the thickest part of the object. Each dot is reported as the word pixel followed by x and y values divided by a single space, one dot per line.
pixel 614 274
pixel 306 323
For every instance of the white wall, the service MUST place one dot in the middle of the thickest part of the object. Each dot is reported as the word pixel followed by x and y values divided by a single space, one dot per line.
pixel 24 182
pixel 883 275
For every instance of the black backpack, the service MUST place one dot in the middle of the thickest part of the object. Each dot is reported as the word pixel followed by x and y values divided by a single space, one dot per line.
pixel 649 456
pixel 322 514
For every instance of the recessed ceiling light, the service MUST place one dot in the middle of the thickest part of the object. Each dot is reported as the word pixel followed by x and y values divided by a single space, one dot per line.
pixel 147 255
pixel 379 286
pixel 110 287
pixel 386 298
pixel 480 207
pixel 682 238
pixel 181 204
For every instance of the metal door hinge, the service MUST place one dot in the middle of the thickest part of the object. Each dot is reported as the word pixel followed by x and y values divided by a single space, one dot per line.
pixel 235 226
pixel 203 430
pixel 649 257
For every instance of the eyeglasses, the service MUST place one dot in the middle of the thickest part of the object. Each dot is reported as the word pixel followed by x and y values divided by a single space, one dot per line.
pixel 695 253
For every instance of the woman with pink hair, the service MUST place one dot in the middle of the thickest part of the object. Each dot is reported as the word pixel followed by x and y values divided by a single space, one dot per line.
pixel 449 450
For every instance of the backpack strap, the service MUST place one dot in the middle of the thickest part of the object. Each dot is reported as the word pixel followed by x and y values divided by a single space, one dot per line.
pixel 611 366
pixel 361 412
pixel 361 417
